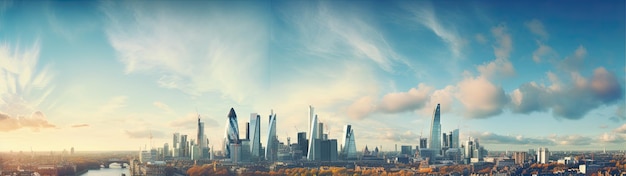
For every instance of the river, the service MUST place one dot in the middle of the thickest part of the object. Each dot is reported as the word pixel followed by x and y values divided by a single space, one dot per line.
pixel 114 170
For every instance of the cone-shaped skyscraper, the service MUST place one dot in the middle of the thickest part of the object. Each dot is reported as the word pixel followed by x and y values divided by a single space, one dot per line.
pixel 435 131
pixel 348 150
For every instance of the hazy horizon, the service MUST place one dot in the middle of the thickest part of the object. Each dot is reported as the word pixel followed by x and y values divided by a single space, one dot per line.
pixel 110 75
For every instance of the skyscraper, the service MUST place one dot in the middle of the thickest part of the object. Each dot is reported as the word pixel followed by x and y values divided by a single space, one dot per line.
pixel 303 143
pixel 348 150
pixel 176 145
pixel 455 138
pixel 311 115
pixel 313 140
pixel 200 138
pixel 255 134
pixel 542 155
pixel 423 142
pixel 271 150
pixel 435 131
pixel 232 132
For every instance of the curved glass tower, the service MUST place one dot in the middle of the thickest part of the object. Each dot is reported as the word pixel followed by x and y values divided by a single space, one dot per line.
pixel 349 145
pixel 232 132
pixel 271 151
pixel 435 131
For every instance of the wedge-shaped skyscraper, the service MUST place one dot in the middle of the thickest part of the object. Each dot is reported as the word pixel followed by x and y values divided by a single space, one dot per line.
pixel 435 131
pixel 232 132
pixel 313 140
pixel 255 134
pixel 271 151
pixel 348 150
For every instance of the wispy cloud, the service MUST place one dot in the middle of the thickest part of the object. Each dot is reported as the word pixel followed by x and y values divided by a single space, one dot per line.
pixel 536 27
pixel 80 125
pixel 163 107
pixel 224 51
pixel 23 87
pixel 144 134
pixel 113 105
pixel 425 14
pixel 501 66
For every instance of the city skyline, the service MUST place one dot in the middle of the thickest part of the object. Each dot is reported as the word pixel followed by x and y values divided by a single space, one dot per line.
pixel 89 73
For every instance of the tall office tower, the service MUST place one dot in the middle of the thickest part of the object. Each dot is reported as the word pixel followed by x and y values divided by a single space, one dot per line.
pixel 311 154
pixel 255 134
pixel 435 131
pixel 320 130
pixel 166 150
pixel 446 142
pixel 520 157
pixel 542 155
pixel 303 143
pixel 271 150
pixel 247 131
pixel 423 142
pixel 232 132
pixel 176 145
pixel 348 150
pixel 311 115
pixel 469 148
pixel 200 138
pixel 455 138
pixel 184 146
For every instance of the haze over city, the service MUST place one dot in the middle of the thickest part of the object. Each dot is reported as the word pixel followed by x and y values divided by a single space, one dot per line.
pixel 111 75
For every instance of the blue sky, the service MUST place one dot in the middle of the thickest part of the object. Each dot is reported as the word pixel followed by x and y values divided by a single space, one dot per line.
pixel 516 75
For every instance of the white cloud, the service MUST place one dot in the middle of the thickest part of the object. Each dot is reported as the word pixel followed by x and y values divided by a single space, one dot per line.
pixel 501 66
pixel 415 98
pixel 481 98
pixel 536 27
pixel 575 62
pixel 569 100
pixel 543 52
pixel 621 129
pixel 362 107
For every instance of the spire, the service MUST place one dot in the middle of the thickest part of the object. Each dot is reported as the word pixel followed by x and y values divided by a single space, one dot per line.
pixel 232 114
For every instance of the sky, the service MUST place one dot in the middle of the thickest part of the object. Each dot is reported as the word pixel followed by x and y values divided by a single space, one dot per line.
pixel 108 75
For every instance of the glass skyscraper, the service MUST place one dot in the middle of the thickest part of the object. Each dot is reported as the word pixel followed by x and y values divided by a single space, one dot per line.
pixel 348 150
pixel 232 132
pixel 255 134
pixel 435 131
pixel 271 150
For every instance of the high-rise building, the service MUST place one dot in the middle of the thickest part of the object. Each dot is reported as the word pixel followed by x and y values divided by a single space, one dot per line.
pixel 232 132
pixel 542 155
pixel 455 139
pixel 446 141
pixel 271 150
pixel 313 140
pixel 423 142
pixel 406 150
pixel 202 142
pixel 311 115
pixel 520 157
pixel 320 130
pixel 435 131
pixel 184 146
pixel 303 143
pixel 255 135
pixel 166 150
pixel 328 150
pixel 176 145
pixel 348 150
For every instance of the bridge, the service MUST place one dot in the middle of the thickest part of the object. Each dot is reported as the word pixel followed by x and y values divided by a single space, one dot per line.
pixel 116 160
